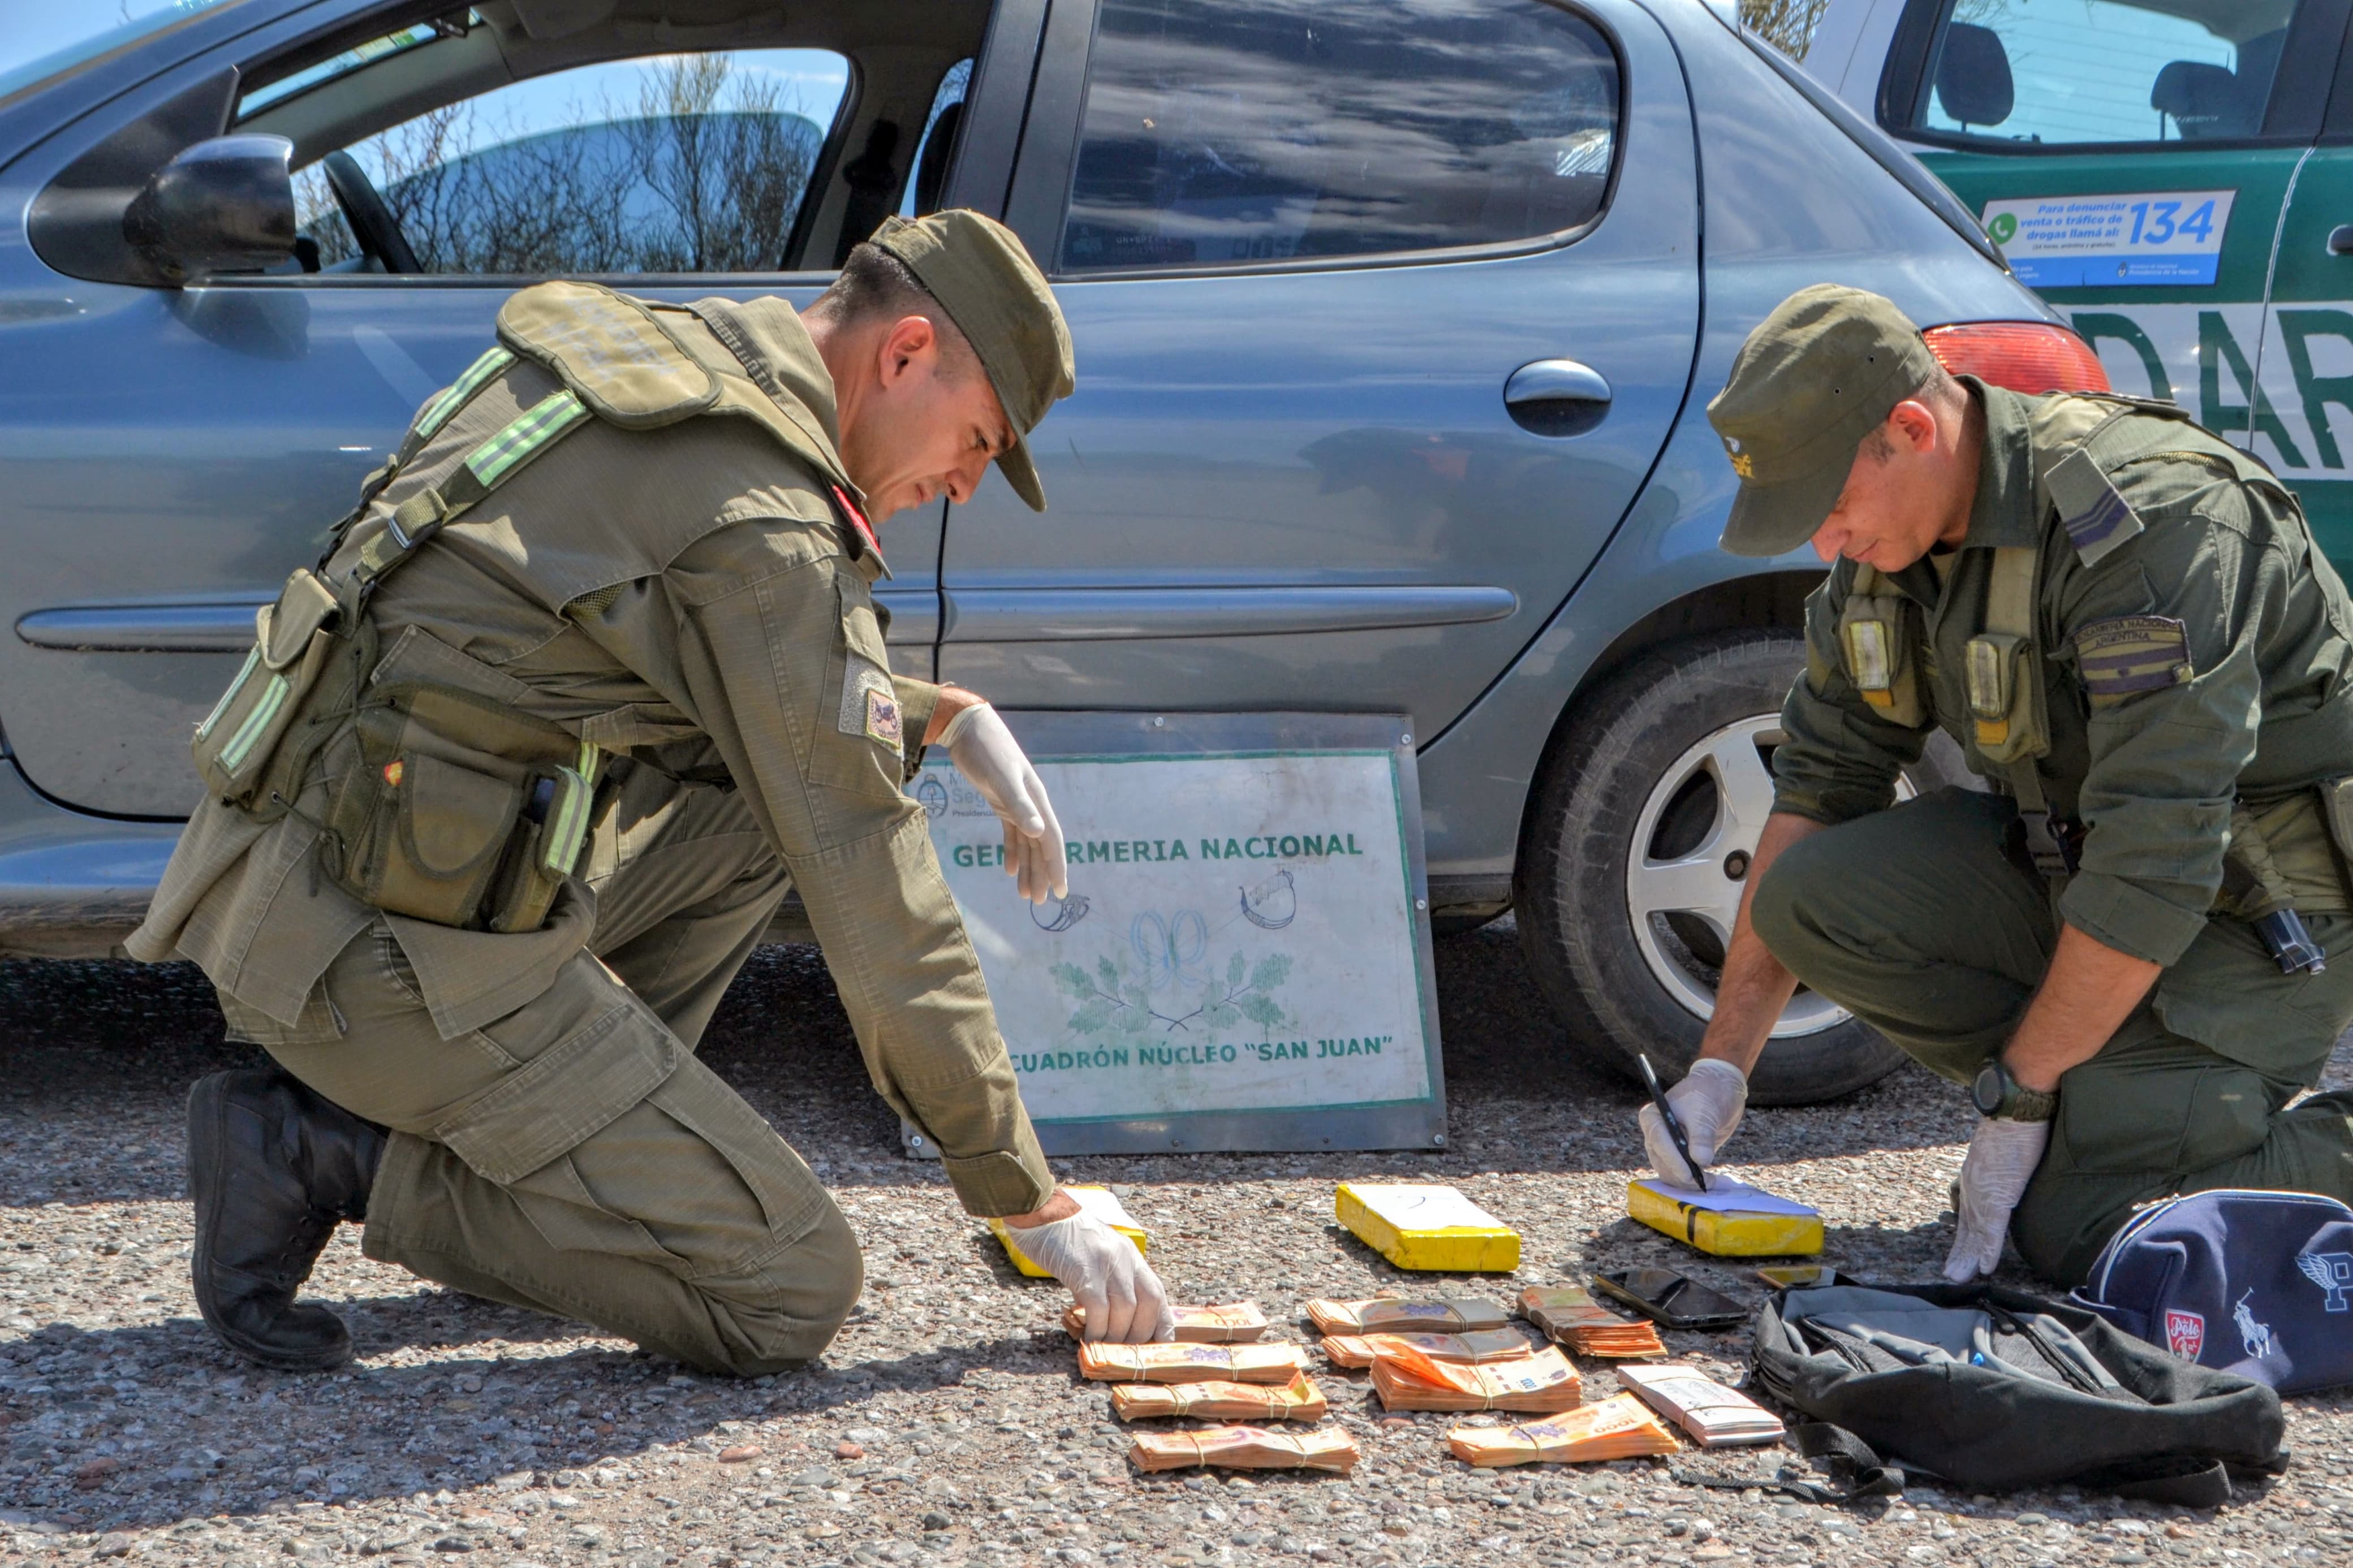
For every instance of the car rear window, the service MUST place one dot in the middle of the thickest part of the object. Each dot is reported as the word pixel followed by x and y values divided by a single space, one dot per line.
pixel 1220 133
pixel 2065 72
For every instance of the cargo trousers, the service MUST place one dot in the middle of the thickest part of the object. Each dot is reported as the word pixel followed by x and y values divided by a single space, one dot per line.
pixel 641 1194
pixel 1919 921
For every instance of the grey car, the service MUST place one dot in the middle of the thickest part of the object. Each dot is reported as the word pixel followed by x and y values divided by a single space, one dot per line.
pixel 1395 323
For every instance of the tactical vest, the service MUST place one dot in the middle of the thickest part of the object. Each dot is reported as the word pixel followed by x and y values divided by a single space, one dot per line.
pixel 2079 442
pixel 442 804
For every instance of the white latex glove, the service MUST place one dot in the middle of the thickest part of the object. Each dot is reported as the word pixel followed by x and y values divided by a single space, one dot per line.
pixel 986 754
pixel 1708 1102
pixel 2001 1160
pixel 1121 1294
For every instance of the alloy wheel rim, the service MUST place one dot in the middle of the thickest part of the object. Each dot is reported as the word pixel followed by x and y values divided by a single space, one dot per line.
pixel 1688 861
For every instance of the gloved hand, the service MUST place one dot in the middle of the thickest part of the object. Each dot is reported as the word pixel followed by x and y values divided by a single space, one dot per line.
pixel 2001 1160
pixel 1708 1102
pixel 1121 1294
pixel 986 754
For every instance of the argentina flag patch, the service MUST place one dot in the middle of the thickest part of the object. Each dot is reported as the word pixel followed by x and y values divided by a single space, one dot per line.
pixel 2132 653
pixel 2096 517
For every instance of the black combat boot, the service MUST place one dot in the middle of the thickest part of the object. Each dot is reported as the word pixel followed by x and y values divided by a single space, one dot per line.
pixel 272 1168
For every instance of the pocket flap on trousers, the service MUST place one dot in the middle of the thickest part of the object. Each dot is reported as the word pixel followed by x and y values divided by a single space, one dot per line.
pixel 453 818
pixel 556 1100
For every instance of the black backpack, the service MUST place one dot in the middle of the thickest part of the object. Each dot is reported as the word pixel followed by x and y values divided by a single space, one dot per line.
pixel 1992 1390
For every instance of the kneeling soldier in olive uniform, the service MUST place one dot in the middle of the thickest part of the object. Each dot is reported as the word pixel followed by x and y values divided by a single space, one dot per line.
pixel 514 781
pixel 2125 622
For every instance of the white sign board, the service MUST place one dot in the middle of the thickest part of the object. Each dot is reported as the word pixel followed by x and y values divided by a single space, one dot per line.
pixel 1243 957
pixel 2139 238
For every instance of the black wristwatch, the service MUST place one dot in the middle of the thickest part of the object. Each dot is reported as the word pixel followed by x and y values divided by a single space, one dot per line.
pixel 1998 1094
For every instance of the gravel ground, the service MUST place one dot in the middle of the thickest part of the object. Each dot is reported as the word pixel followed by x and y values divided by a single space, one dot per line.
pixel 946 1425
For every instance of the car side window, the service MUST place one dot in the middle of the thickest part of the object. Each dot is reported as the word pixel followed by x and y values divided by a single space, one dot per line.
pixel 936 146
pixel 1224 132
pixel 2079 71
pixel 687 163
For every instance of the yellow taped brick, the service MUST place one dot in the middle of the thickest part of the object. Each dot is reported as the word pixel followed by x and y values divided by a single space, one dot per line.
pixel 1431 1228
pixel 1096 1201
pixel 1731 1234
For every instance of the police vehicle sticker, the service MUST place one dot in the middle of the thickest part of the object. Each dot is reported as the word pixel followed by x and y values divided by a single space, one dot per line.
pixel 869 704
pixel 2132 653
pixel 2139 239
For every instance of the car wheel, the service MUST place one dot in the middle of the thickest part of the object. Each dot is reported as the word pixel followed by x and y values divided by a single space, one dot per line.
pixel 1633 860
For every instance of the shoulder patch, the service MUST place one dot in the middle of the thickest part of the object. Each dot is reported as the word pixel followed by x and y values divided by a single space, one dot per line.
pixel 870 705
pixel 2096 517
pixel 2132 653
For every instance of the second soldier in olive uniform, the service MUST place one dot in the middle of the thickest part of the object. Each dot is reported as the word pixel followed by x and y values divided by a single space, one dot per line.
pixel 2127 627
pixel 516 778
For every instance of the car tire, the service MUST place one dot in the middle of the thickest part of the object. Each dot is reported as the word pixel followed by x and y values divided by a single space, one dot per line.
pixel 1642 765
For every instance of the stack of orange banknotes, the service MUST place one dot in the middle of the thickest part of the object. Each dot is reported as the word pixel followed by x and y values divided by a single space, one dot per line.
pixel 1246 1448
pixel 1390 1314
pixel 1543 1381
pixel 1489 1344
pixel 1617 1428
pixel 1234 1323
pixel 1297 1400
pixel 1574 1318
pixel 1191 1364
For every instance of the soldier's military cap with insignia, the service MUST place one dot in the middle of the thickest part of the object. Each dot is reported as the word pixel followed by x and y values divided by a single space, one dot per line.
pixel 1813 379
pixel 982 278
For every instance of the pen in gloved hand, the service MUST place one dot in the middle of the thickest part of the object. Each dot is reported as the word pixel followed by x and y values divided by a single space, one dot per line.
pixel 1667 1115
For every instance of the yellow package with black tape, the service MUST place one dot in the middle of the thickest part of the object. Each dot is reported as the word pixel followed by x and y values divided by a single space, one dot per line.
pixel 1729 1220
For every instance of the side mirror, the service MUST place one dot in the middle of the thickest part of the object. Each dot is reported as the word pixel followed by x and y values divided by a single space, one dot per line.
pixel 222 206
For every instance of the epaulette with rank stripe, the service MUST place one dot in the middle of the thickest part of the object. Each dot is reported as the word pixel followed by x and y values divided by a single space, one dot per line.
pixel 2096 518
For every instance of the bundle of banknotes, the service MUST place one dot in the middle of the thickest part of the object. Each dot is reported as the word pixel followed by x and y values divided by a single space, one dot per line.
pixel 1574 1318
pixel 1543 1381
pixel 1246 1448
pixel 1390 1314
pixel 1190 1363
pixel 1617 1428
pixel 1297 1400
pixel 1355 1351
pixel 1233 1323
pixel 1716 1416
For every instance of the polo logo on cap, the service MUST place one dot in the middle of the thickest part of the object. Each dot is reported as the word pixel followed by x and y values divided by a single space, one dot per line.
pixel 2184 1332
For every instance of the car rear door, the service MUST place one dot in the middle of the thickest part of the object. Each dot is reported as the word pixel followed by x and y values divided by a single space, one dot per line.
pixel 1307 253
pixel 168 455
pixel 2133 159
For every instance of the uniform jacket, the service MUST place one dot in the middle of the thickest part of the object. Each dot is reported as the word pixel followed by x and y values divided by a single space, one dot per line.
pixel 2259 709
pixel 691 597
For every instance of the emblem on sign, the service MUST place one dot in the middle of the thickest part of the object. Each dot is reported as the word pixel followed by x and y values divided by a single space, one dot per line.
pixel 2185 1333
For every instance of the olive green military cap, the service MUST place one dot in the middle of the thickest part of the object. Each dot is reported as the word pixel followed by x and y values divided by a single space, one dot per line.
pixel 985 280
pixel 1816 376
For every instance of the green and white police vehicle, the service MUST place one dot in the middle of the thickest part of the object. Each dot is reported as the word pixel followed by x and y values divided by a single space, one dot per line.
pixel 2174 177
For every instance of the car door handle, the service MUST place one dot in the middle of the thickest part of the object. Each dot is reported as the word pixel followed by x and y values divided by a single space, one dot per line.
pixel 1557 398
pixel 2340 239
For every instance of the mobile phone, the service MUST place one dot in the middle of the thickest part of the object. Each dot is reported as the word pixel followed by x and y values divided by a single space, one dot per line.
pixel 1798 1276
pixel 1667 1297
